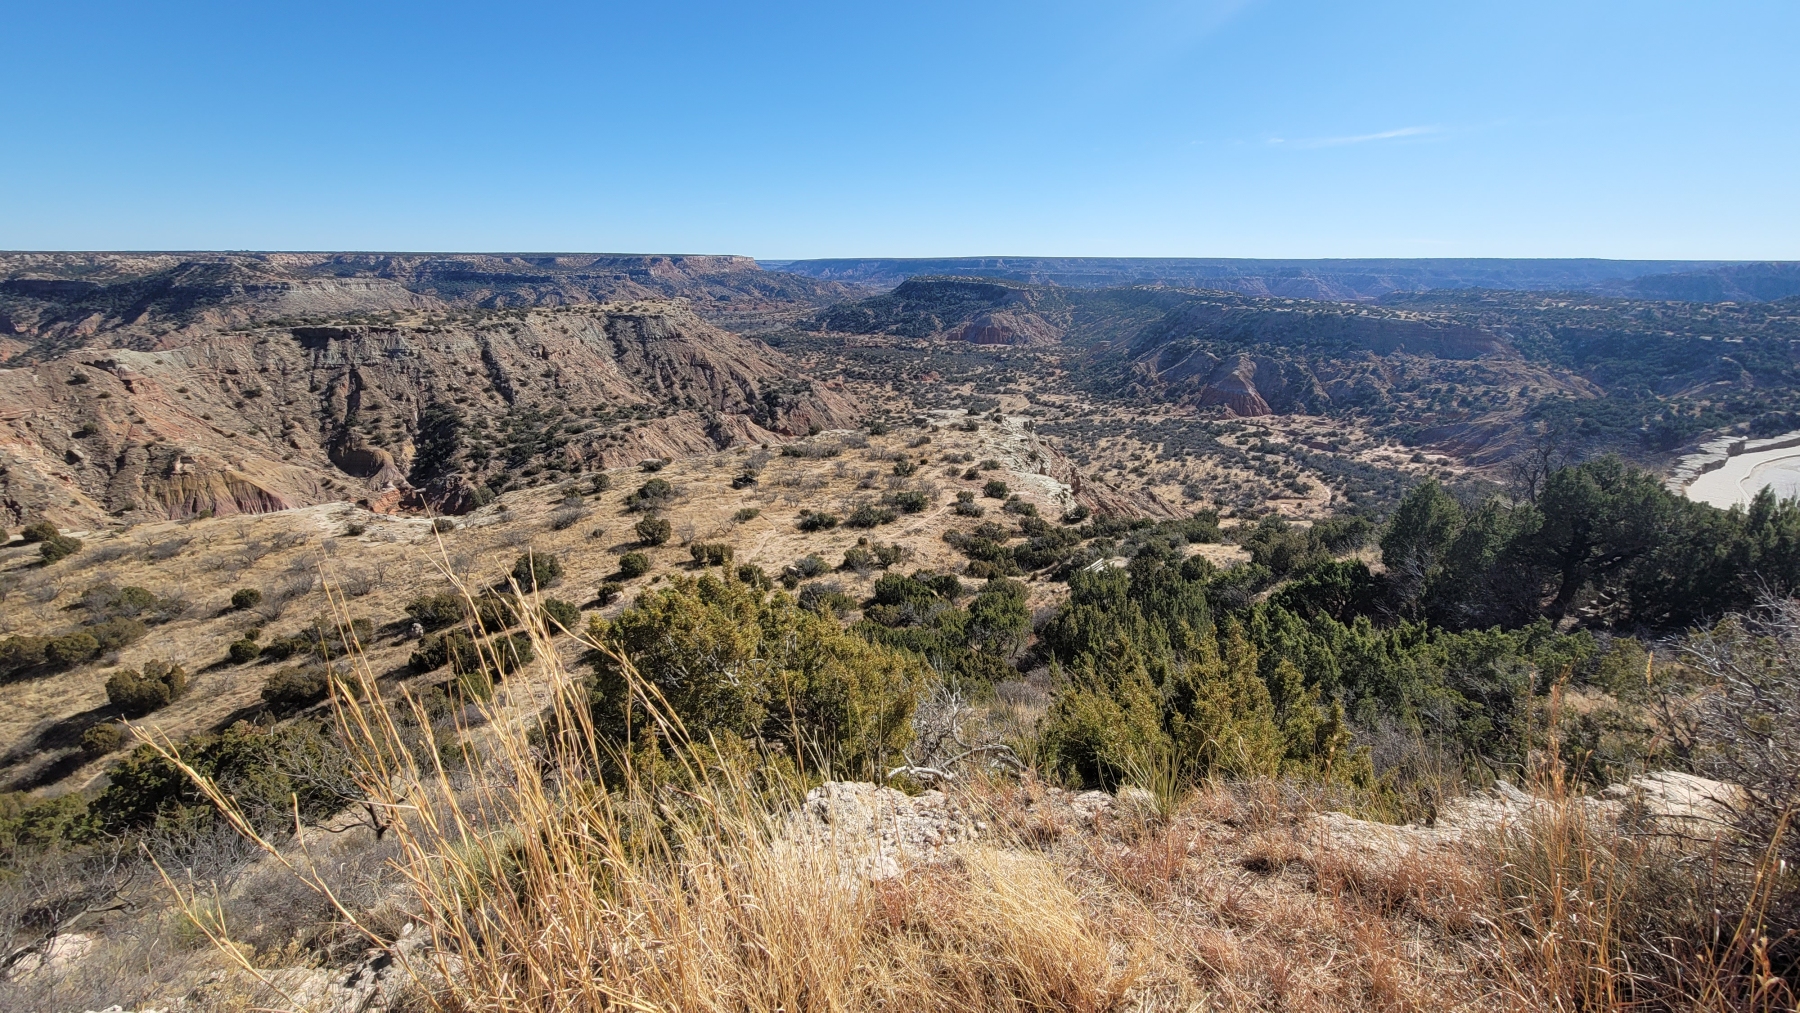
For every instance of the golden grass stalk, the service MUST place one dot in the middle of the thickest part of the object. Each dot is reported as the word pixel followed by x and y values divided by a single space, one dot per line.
pixel 544 888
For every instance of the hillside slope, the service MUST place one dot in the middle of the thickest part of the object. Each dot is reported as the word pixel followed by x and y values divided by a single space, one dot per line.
pixel 422 412
pixel 51 302
pixel 1478 374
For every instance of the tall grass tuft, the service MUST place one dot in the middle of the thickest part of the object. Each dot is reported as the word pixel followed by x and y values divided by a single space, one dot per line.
pixel 545 888
pixel 1600 915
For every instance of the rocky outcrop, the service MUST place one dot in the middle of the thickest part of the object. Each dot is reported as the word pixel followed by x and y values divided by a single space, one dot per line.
pixel 1007 328
pixel 1667 802
pixel 878 830
pixel 1233 385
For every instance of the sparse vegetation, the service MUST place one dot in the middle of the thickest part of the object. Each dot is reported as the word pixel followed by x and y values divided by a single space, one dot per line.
pixel 57 548
pixel 1226 685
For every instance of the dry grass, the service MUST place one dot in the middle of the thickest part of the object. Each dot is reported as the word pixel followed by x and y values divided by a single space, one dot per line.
pixel 379 570
pixel 544 890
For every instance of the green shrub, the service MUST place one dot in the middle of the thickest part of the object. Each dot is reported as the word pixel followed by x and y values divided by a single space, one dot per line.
pixel 878 428
pixel 138 692
pixel 437 650
pixel 634 564
pixel 70 649
pixel 560 613
pixel 609 592
pixel 599 482
pixel 495 612
pixel 243 651
pixel 911 501
pixel 817 521
pixel 1015 505
pixel 869 515
pixel 282 648
pixel 104 601
pixel 115 634
pixel 753 576
pixel 102 738
pixel 442 525
pixel 1075 514
pixel 291 689
pixel 510 653
pixel 864 556
pixel 653 530
pixel 826 599
pixel 652 495
pixel 58 547
pixel 736 664
pixel 329 639
pixel 535 570
pixel 436 611
pixel 904 467
pixel 999 619
pixel 20 654
pixel 40 532
pixel 711 553
pixel 246 598
pixel 29 823
pixel 246 760
pixel 995 489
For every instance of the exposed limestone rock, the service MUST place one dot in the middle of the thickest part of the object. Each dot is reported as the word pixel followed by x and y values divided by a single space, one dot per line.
pixel 876 829
pixel 1663 801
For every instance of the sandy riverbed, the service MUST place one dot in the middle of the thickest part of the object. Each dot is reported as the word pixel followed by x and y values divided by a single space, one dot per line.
pixel 1743 476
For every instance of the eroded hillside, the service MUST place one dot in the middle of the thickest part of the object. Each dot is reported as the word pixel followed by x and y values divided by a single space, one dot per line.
pixel 423 412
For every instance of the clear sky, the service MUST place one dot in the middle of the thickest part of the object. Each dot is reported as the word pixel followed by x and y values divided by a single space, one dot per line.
pixel 1248 128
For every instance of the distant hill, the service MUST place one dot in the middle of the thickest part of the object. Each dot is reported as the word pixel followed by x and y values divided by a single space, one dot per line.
pixel 1338 280
pixel 50 302
pixel 1470 371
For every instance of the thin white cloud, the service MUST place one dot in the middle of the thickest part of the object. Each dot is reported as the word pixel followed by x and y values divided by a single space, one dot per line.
pixel 1338 142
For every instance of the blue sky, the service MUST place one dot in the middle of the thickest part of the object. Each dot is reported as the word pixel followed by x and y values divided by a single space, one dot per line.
pixel 1279 128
